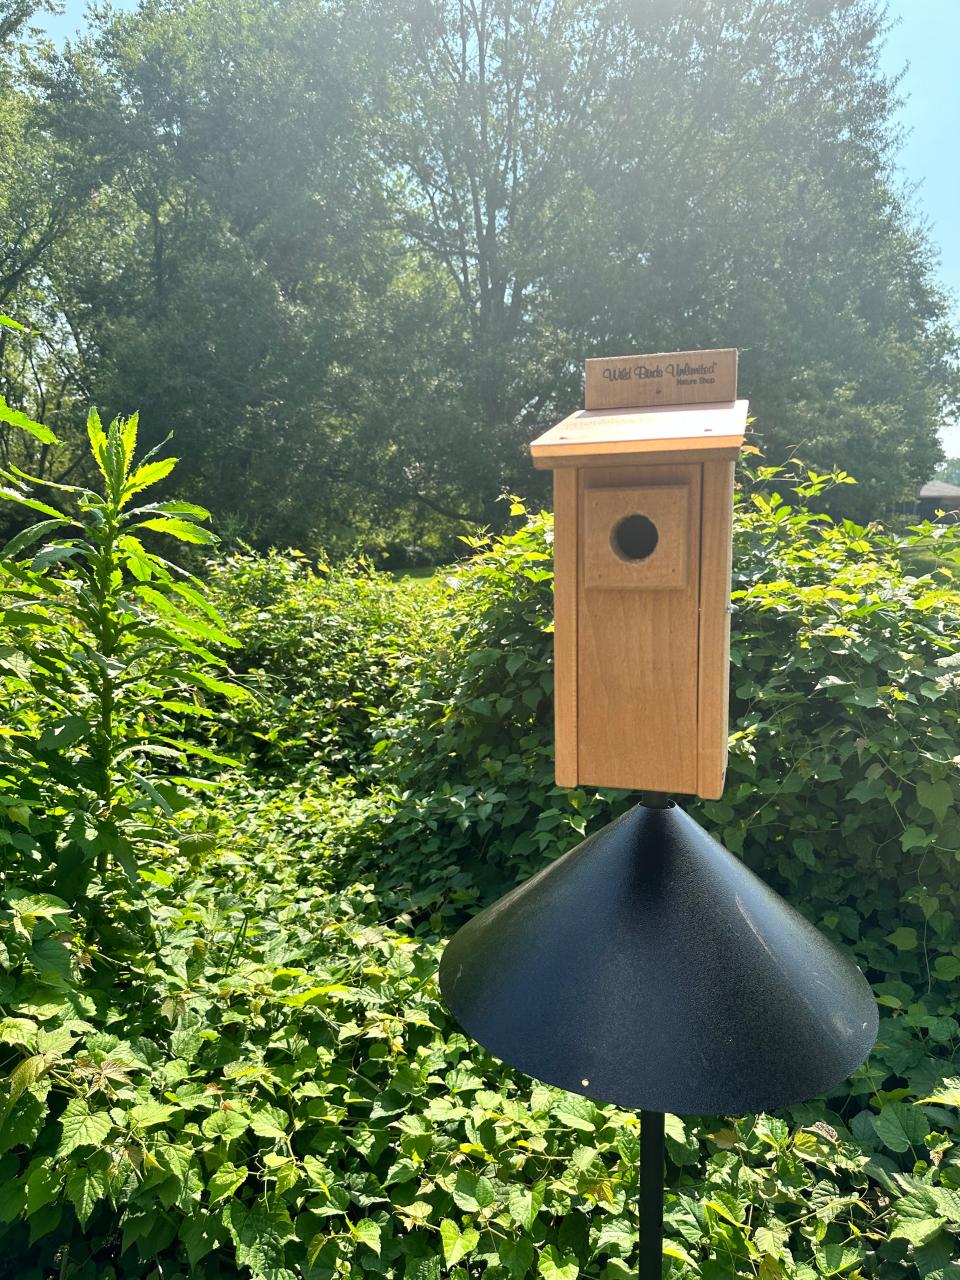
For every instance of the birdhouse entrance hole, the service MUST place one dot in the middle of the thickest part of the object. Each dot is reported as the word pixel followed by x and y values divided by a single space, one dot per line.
pixel 634 538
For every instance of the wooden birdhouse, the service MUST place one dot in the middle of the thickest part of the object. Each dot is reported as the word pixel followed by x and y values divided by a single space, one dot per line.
pixel 643 502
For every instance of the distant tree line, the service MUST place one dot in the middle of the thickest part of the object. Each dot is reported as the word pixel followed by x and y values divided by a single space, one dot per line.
pixel 354 256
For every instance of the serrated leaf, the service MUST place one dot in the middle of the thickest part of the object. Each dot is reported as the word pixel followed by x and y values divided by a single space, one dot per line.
pixel 367 1232
pixel 27 537
pixel 935 796
pixel 523 1204
pixel 947 1093
pixel 82 1128
pixel 900 1126
pixel 85 1186
pixel 578 1113
pixel 150 473
pixel 227 1179
pixel 269 1122
pixel 516 1256
pixel 835 1259
pixel 201 1234
pixel 16 418
pixel 554 1265
pixel 24 1120
pixel 224 1124
pixel 42 1184
pixel 472 1192
pixel 23 1076
pixel 457 1244
pixel 182 530
pixel 18 1031
pixel 147 1114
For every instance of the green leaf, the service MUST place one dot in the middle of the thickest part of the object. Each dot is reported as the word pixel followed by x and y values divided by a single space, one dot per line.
pixel 578 1113
pixel 947 1093
pixel 201 1234
pixel 457 1244
pixel 82 1128
pixel 98 441
pixel 42 1184
pixel 903 939
pixel 367 1232
pixel 24 1075
pixel 56 553
pixel 915 838
pixel 935 796
pixel 182 530
pixel 523 1204
pixel 835 1259
pixel 516 1255
pixel 269 1122
pixel 24 1120
pixel 900 1126
pixel 23 500
pixel 225 1124
pixel 18 1031
pixel 26 537
pixel 473 1192
pixel 86 1184
pixel 554 1265
pixel 14 418
pixel 227 1179
pixel 917 1218
pixel 145 1115
pixel 144 476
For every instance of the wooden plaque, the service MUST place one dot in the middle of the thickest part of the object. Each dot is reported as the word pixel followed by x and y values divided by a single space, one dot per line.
pixel 672 377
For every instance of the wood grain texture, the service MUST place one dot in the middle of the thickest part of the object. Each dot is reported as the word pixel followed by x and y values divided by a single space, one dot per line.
pixel 666 506
pixel 714 666
pixel 622 433
pixel 565 558
pixel 631 459
pixel 637 661
pixel 668 377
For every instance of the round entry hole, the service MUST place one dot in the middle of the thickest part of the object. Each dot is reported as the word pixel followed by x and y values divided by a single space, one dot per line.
pixel 634 538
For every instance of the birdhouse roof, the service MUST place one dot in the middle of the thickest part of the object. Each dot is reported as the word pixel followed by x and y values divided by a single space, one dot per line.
pixel 602 435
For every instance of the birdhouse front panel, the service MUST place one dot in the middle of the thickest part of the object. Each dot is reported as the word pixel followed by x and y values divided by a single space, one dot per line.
pixel 643 501
pixel 638 627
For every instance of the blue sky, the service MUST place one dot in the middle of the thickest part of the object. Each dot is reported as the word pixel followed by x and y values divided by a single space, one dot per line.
pixel 926 41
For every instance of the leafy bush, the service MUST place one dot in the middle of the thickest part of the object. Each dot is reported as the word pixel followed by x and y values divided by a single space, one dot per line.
pixel 277 1092
pixel 326 648
pixel 270 1087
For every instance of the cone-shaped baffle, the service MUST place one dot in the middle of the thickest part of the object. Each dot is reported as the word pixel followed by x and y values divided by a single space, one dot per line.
pixel 648 967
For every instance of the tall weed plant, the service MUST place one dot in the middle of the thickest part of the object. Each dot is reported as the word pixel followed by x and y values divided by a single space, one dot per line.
pixel 106 661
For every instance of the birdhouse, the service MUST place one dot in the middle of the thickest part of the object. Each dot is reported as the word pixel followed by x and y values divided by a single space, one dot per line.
pixel 643 503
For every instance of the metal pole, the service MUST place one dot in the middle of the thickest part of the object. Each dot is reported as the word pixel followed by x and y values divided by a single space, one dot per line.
pixel 651 1195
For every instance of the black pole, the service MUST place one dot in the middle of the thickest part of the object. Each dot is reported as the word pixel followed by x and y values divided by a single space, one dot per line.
pixel 651 1195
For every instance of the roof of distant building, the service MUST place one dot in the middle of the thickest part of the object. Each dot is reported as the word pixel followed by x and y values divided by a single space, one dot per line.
pixel 939 489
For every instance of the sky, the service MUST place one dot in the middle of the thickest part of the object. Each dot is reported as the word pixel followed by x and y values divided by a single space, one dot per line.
pixel 925 45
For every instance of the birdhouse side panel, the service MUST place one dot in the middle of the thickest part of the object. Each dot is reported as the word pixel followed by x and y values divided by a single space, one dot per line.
pixel 565 556
pixel 714 666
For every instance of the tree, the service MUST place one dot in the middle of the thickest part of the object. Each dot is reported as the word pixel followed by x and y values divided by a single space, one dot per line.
pixel 615 176
pixel 370 255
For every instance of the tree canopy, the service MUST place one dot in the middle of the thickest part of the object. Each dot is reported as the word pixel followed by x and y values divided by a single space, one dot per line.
pixel 354 256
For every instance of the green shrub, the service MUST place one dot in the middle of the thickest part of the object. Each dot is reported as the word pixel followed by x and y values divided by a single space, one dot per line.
pixel 277 1093
pixel 326 648
pixel 270 1087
